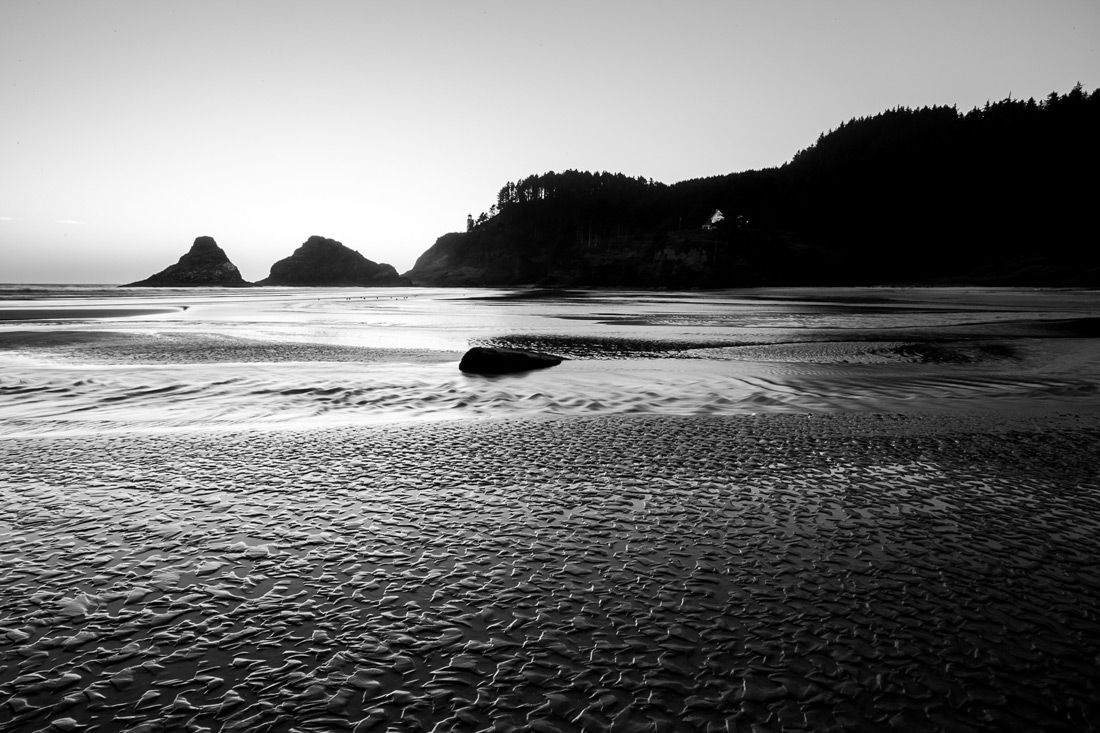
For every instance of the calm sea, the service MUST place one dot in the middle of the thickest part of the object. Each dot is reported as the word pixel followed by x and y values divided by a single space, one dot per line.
pixel 96 358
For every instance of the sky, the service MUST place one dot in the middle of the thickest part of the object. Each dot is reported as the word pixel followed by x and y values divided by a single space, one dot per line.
pixel 130 127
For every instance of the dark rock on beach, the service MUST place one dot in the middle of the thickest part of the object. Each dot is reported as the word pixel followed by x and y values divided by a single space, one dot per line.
pixel 206 264
pixel 497 360
pixel 322 261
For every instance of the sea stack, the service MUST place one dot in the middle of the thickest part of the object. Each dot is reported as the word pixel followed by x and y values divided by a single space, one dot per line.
pixel 206 264
pixel 323 261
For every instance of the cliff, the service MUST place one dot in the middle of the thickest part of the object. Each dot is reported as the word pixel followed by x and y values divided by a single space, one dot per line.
pixel 321 261
pixel 1000 195
pixel 672 260
pixel 206 264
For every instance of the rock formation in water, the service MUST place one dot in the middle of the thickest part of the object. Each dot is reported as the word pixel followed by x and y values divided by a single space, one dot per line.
pixel 323 261
pixel 498 360
pixel 206 264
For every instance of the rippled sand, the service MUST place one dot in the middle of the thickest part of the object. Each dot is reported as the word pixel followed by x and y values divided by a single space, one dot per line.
pixel 782 572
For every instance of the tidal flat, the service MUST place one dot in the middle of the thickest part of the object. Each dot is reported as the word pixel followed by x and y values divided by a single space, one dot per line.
pixel 750 511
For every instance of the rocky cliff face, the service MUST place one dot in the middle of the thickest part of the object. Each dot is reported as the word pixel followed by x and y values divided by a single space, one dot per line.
pixel 206 264
pixel 504 258
pixel 322 261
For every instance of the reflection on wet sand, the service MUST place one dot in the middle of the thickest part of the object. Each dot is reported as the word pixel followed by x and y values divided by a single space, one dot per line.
pixel 66 314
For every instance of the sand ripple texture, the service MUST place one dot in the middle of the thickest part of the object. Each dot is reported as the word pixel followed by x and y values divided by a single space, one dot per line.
pixel 819 572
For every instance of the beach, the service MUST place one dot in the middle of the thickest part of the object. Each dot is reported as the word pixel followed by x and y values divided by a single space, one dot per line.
pixel 879 532
pixel 627 573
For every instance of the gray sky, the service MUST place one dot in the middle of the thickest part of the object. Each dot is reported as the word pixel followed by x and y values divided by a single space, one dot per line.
pixel 128 127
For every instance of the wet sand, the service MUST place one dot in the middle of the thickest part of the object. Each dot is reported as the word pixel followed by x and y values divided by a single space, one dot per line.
pixel 80 347
pixel 770 572
pixel 68 314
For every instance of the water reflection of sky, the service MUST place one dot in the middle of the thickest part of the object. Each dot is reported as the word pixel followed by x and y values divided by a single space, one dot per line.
pixel 438 314
pixel 306 356
pixel 451 319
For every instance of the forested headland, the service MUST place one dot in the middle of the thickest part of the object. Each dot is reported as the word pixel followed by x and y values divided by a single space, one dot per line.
pixel 1004 194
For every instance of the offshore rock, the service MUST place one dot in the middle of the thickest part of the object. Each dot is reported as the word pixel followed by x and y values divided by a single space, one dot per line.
pixel 206 264
pixel 323 261
pixel 497 360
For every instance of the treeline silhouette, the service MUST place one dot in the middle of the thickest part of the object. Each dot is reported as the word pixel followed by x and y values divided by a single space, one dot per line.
pixel 1002 194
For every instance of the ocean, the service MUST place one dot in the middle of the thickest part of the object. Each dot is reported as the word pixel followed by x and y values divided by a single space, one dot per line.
pixel 97 359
